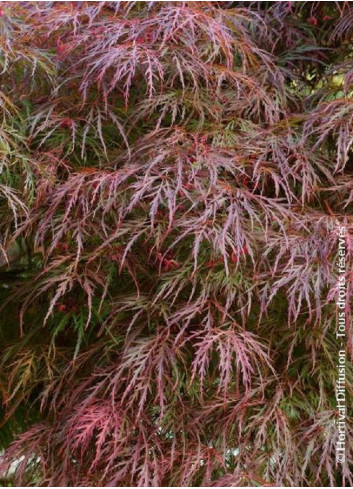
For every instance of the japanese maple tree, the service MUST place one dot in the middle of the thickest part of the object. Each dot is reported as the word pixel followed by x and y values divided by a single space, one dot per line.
pixel 172 177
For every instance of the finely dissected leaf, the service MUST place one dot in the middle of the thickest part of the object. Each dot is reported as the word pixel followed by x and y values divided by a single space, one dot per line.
pixel 172 177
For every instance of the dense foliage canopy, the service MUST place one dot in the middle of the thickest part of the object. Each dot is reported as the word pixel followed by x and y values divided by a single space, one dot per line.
pixel 172 176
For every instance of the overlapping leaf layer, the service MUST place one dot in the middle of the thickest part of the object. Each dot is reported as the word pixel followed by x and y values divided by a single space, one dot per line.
pixel 172 178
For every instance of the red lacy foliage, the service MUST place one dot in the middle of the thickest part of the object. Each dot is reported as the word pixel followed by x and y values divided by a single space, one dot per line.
pixel 173 174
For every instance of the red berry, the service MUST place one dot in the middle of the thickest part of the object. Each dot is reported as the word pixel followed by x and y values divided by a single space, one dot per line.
pixel 66 122
pixel 312 20
pixel 234 257
pixel 62 246
pixel 170 265
pixel 189 186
